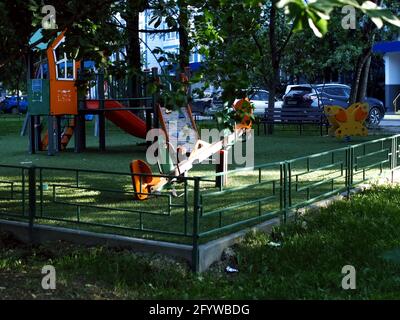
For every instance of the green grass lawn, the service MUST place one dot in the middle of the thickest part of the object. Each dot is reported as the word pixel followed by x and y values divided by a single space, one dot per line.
pixel 363 232
pixel 108 199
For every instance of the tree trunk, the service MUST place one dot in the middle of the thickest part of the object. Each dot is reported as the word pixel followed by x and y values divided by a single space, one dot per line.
pixel 133 50
pixel 272 94
pixel 184 48
pixel 361 62
pixel 274 62
pixel 358 87
pixel 362 92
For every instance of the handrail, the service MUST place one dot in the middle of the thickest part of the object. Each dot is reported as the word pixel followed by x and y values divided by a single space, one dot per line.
pixel 395 102
pixel 315 155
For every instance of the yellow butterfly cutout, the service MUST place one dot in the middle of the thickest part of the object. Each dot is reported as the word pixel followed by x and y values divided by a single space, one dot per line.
pixel 347 122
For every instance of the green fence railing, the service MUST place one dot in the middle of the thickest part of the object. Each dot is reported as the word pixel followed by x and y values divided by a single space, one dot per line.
pixel 196 211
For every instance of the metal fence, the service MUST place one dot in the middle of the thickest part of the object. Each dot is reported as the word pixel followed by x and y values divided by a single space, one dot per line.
pixel 195 211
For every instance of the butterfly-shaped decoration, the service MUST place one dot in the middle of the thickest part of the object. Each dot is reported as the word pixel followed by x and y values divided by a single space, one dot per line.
pixel 347 122
pixel 244 110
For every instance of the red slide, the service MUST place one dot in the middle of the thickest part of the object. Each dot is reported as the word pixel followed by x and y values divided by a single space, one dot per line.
pixel 124 119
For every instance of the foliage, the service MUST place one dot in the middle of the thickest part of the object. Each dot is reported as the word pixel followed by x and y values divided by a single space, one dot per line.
pixel 15 31
pixel 236 39
pixel 316 14
pixel 234 36
pixel 223 33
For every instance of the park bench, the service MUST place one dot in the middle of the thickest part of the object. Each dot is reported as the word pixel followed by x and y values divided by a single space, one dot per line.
pixel 294 116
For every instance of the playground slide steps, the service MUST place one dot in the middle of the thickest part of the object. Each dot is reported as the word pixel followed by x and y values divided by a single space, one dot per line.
pixel 66 136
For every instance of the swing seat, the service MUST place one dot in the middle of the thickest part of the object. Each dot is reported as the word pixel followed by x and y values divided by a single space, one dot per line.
pixel 142 185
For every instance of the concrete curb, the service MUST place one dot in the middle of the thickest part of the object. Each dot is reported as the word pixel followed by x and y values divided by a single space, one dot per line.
pixel 211 252
pixel 43 234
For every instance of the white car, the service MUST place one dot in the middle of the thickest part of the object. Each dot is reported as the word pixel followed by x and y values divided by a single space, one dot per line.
pixel 260 100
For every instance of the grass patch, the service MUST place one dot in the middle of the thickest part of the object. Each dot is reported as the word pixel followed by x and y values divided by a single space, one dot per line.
pixel 363 232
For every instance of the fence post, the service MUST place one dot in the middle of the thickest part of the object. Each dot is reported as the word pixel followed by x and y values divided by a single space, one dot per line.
pixel 347 180
pixel 393 163
pixel 351 166
pixel 102 117
pixel 196 226
pixel 284 188
pixel 349 169
pixel 32 199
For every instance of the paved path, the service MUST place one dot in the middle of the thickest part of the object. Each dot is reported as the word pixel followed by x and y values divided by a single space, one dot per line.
pixel 391 122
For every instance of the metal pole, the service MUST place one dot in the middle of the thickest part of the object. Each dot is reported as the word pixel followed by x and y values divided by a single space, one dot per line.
pixel 38 132
pixel 349 169
pixel 58 134
pixel 102 120
pixel 351 166
pixel 50 135
pixel 148 112
pixel 79 133
pixel 25 125
pixel 32 199
pixel 102 129
pixel 222 167
pixel 196 226
pixel 285 193
pixel 154 72
pixel 394 157
pixel 32 147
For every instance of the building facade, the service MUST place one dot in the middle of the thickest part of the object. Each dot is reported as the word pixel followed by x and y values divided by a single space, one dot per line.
pixel 391 52
pixel 167 42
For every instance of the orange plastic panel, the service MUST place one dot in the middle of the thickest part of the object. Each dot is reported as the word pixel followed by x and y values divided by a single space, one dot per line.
pixel 341 116
pixel 63 93
pixel 360 114
pixel 142 184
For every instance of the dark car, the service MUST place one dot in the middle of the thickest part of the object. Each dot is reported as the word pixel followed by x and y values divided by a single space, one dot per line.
pixel 14 104
pixel 318 96
pixel 202 104
pixel 208 103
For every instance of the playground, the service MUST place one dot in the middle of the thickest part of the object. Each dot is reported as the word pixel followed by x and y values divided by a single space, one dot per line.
pixel 93 190
pixel 78 162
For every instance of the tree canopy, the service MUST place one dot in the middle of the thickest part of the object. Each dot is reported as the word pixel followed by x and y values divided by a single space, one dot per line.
pixel 245 43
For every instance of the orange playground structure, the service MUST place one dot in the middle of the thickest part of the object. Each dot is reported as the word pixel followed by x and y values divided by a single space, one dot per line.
pixel 54 93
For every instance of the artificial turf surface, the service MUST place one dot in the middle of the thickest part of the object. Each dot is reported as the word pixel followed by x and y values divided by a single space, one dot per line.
pixel 104 202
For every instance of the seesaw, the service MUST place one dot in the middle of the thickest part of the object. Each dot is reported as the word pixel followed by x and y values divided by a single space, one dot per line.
pixel 145 182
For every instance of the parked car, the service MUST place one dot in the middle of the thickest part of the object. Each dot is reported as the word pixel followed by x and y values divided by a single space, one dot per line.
pixel 202 105
pixel 320 95
pixel 14 104
pixel 217 103
pixel 208 103
pixel 260 100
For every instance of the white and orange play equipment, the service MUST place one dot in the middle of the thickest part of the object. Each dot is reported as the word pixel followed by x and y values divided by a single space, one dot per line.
pixel 145 183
